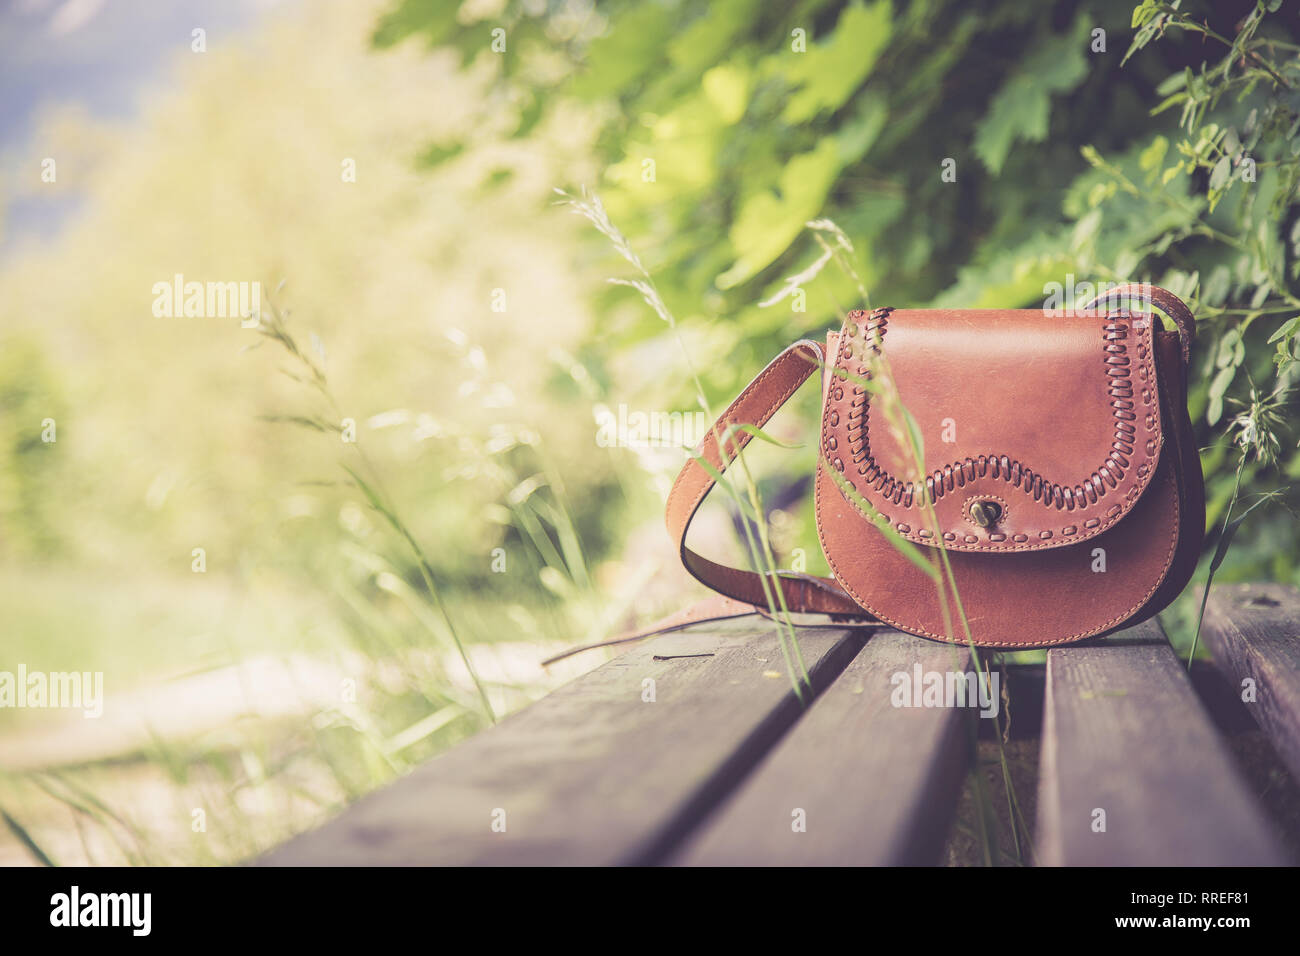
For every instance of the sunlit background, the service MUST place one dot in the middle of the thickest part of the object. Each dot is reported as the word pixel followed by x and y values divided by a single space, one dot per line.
pixel 308 554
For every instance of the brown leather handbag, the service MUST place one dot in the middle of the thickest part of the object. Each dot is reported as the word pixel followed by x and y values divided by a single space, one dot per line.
pixel 1060 477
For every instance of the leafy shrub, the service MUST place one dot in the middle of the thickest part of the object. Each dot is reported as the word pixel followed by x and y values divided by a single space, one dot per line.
pixel 1082 142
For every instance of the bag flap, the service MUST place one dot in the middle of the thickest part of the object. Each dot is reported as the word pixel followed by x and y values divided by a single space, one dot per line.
pixel 1038 431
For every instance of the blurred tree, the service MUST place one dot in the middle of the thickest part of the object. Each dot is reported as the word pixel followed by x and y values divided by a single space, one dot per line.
pixel 31 408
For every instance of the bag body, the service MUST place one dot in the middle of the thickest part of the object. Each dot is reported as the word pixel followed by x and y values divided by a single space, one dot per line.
pixel 1061 477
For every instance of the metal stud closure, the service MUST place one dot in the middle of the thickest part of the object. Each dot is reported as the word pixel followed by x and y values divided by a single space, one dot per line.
pixel 985 513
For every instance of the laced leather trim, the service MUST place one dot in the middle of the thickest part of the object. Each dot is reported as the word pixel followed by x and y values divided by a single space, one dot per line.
pixel 1116 364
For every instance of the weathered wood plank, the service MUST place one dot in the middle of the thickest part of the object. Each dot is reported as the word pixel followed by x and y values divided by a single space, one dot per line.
pixel 1253 631
pixel 593 773
pixel 876 783
pixel 1124 734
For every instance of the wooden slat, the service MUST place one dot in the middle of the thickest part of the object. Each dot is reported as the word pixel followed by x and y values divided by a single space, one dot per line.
pixel 876 783
pixel 591 774
pixel 1123 732
pixel 1253 631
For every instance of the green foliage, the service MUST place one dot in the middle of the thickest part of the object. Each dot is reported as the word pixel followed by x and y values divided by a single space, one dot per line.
pixel 1096 140
pixel 833 70
pixel 28 398
pixel 1021 110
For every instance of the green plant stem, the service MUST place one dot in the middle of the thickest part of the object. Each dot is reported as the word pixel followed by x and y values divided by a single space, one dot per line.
pixel 1209 578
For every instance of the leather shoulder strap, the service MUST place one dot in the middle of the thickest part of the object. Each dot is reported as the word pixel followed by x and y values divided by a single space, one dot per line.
pixel 754 406
pixel 1162 299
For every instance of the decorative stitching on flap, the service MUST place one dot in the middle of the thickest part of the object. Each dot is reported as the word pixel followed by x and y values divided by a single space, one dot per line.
pixel 1127 400
pixel 981 641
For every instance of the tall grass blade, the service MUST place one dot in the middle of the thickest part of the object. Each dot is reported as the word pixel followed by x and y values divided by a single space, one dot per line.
pixel 25 838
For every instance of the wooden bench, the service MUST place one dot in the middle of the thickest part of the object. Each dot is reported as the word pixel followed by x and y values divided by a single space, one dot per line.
pixel 692 748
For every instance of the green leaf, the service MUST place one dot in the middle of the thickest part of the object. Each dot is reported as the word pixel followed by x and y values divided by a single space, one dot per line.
pixel 1288 328
pixel 1022 108
pixel 1229 531
pixel 1126 263
pixel 1172 83
pixel 1142 13
pixel 722 482
pixel 756 432
pixel 829 73
pixel 1168 103
pixel 1154 154
pixel 914 431
pixel 767 224
pixel 1216 287
pixel 629 49
pixel 727 88
pixel 1220 174
pixel 712 37
pixel 858 134
pixel 1218 386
